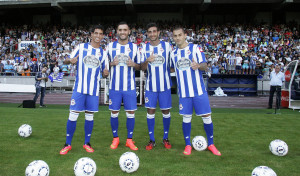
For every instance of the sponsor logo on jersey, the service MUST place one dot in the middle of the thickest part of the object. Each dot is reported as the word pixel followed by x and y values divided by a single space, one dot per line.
pixel 158 60
pixel 183 64
pixel 122 59
pixel 91 61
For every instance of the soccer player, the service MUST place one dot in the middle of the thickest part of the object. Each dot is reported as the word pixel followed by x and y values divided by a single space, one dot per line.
pixel 124 59
pixel 188 62
pixel 156 60
pixel 91 60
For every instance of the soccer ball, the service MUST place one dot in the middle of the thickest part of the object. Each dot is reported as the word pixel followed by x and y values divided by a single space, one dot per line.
pixel 263 171
pixel 129 162
pixel 25 130
pixel 37 168
pixel 199 143
pixel 85 166
pixel 278 147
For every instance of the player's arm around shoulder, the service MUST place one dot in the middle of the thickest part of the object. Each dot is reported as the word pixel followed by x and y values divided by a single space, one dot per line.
pixel 172 64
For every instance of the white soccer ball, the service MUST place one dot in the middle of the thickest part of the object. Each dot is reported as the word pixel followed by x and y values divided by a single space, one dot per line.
pixel 25 130
pixel 37 168
pixel 199 143
pixel 129 162
pixel 85 167
pixel 263 171
pixel 279 147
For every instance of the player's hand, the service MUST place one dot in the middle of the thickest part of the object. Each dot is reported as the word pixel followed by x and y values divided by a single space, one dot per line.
pixel 105 72
pixel 74 60
pixel 194 65
pixel 130 63
pixel 115 61
pixel 151 58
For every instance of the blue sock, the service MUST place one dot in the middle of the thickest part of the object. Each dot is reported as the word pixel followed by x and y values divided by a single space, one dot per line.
pixel 130 125
pixel 186 128
pixel 166 122
pixel 209 129
pixel 114 122
pixel 88 127
pixel 71 126
pixel 151 124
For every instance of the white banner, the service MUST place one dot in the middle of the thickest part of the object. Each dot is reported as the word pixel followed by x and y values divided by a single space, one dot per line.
pixel 25 44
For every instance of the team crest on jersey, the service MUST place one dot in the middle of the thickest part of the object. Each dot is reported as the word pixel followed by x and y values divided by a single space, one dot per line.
pixel 91 61
pixel 128 50
pixel 180 107
pixel 188 52
pixel 73 102
pixel 109 102
pixel 158 60
pixel 122 59
pixel 146 100
pixel 162 50
pixel 183 64
pixel 98 54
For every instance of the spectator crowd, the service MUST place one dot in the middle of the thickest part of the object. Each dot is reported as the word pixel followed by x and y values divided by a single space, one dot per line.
pixel 229 49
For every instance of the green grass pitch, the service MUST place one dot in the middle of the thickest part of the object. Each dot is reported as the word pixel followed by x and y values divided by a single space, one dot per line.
pixel 242 135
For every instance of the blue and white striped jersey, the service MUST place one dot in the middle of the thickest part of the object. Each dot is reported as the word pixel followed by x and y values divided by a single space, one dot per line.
pixel 231 59
pixel 158 72
pixel 91 63
pixel 190 82
pixel 122 77
pixel 253 60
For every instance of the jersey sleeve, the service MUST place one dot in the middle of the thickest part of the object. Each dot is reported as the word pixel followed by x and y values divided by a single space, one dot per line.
pixel 137 58
pixel 200 56
pixel 171 60
pixel 104 62
pixel 75 52
pixel 143 54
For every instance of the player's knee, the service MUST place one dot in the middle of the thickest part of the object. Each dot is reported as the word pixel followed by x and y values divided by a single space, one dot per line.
pixel 150 116
pixel 166 115
pixel 187 118
pixel 114 115
pixel 73 116
pixel 207 119
pixel 89 117
pixel 129 115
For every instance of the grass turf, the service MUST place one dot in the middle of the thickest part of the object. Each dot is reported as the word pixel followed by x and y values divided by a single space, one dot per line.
pixel 242 135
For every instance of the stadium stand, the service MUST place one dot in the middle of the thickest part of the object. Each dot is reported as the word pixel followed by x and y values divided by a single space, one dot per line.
pixel 45 32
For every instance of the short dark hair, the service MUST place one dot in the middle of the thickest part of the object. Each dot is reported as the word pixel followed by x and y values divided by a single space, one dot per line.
pixel 97 26
pixel 122 23
pixel 149 25
pixel 178 27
